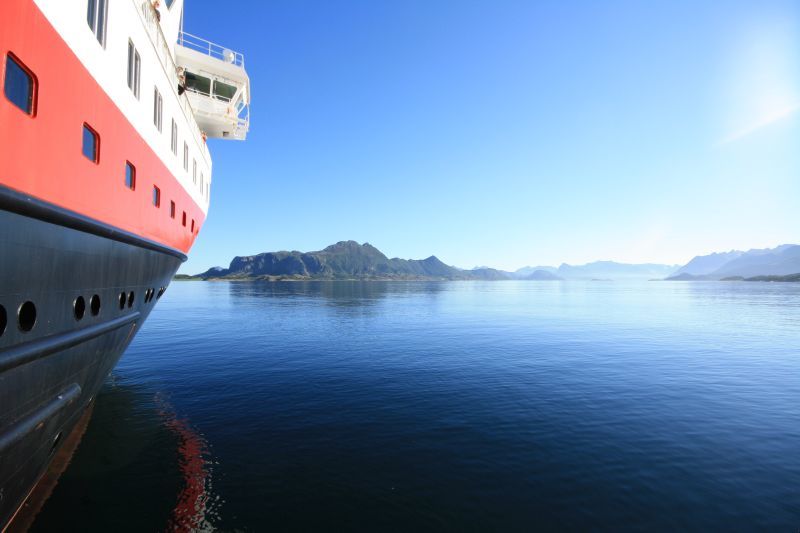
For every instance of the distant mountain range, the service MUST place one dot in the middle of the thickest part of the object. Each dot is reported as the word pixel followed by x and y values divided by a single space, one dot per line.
pixel 781 261
pixel 351 260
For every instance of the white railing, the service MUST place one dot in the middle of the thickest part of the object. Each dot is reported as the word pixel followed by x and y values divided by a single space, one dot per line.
pixel 164 52
pixel 208 48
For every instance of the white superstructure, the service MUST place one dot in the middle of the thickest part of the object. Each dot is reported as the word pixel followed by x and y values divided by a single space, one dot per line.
pixel 150 76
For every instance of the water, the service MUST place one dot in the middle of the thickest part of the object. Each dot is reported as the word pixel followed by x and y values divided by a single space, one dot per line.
pixel 461 406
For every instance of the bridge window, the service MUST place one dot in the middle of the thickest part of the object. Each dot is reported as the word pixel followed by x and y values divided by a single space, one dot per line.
pixel 185 157
pixel 96 15
pixel 91 144
pixel 198 84
pixel 130 176
pixel 194 171
pixel 134 69
pixel 156 196
pixel 20 85
pixel 223 91
pixel 158 108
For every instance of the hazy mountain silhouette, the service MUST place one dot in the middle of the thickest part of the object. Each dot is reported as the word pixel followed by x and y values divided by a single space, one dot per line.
pixel 782 260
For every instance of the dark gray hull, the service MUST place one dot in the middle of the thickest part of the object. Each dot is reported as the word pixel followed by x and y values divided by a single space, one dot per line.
pixel 50 374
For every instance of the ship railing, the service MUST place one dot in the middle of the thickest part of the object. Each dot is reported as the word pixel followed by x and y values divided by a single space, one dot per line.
pixel 210 49
pixel 150 20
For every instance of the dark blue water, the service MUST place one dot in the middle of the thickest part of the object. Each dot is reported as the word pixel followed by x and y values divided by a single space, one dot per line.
pixel 463 406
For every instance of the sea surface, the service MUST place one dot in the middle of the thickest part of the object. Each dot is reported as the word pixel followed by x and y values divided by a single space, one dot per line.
pixel 451 406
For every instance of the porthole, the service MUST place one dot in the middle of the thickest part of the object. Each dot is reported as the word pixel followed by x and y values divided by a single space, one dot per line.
pixel 79 307
pixel 160 292
pixel 130 299
pixel 3 320
pixel 122 299
pixel 26 316
pixel 94 305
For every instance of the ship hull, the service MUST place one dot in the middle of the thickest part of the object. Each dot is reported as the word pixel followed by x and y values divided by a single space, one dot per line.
pixel 49 375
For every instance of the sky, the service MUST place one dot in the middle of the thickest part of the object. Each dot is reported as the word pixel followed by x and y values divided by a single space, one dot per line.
pixel 508 133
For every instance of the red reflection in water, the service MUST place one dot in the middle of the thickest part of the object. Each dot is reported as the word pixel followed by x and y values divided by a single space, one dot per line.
pixel 192 510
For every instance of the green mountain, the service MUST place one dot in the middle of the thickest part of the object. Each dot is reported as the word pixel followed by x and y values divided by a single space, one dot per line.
pixel 344 260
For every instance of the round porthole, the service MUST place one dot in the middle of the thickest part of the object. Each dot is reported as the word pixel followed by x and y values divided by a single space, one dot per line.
pixel 26 316
pixel 122 299
pixel 79 307
pixel 161 292
pixel 3 320
pixel 130 299
pixel 94 305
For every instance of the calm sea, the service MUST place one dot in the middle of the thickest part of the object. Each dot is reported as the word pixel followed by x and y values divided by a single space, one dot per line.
pixel 460 406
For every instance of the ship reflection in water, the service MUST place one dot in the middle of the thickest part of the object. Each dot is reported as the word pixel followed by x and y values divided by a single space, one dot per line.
pixel 139 467
pixel 448 407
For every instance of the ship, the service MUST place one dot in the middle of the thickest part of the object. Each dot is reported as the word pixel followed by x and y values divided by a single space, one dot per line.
pixel 105 184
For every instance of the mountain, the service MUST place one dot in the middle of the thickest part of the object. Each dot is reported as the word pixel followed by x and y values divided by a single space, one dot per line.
pixel 343 260
pixel 706 264
pixel 542 275
pixel 782 260
pixel 524 272
pixel 618 271
pixel 351 260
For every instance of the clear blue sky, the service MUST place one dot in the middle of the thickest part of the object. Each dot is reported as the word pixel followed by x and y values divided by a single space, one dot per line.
pixel 509 133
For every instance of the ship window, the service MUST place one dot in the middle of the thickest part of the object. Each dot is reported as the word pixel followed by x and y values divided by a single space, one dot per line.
pixel 158 108
pixel 134 69
pixel 185 157
pixel 79 307
pixel 223 91
pixel 131 296
pixel 156 196
pixel 4 318
pixel 198 84
pixel 20 85
pixel 192 225
pixel 122 300
pixel 194 171
pixel 172 209
pixel 174 141
pixel 184 218
pixel 96 16
pixel 94 305
pixel 26 316
pixel 91 144
pixel 130 176
pixel 201 183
